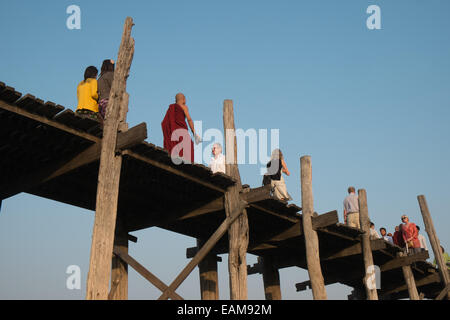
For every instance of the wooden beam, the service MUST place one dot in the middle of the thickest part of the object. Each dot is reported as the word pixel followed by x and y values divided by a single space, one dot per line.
pixel 311 238
pixel 355 249
pixel 173 170
pixel 132 238
pixel 324 220
pixel 238 234
pixel 43 120
pixel 371 290
pixel 217 235
pixel 144 272
pixel 125 140
pixel 254 269
pixel 443 293
pixel 434 240
pixel 409 280
pixel 292 232
pixel 432 278
pixel 258 207
pixel 192 251
pixel 256 194
pixel 271 279
pixel 403 261
pixel 119 273
pixel 340 235
pixel 109 175
pixel 212 206
pixel 209 280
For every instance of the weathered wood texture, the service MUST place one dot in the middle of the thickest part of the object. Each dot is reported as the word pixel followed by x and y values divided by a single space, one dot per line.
pixel 371 291
pixel 239 231
pixel 311 239
pixel 443 293
pixel 434 240
pixel 409 280
pixel 119 273
pixel 109 175
pixel 271 279
pixel 209 280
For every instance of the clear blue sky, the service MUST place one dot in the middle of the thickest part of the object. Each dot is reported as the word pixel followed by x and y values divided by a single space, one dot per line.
pixel 371 107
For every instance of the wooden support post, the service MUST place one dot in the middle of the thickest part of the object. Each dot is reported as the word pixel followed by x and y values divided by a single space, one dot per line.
pixel 371 290
pixel 271 278
pixel 311 238
pixel 409 279
pixel 109 175
pixel 238 232
pixel 209 280
pixel 119 273
pixel 434 240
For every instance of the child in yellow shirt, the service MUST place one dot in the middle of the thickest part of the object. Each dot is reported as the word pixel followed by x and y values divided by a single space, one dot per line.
pixel 87 95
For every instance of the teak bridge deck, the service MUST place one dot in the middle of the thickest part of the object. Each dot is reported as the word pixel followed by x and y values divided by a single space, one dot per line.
pixel 49 151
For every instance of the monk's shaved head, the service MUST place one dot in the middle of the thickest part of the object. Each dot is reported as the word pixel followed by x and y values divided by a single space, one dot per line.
pixel 179 97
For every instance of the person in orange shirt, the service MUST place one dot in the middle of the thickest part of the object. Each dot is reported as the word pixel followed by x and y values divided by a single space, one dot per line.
pixel 87 95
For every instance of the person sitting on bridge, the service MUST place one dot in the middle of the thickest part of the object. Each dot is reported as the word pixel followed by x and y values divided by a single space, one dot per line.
pixel 87 95
pixel 177 140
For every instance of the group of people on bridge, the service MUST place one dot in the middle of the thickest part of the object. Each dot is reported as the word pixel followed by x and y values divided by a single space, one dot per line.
pixel 93 96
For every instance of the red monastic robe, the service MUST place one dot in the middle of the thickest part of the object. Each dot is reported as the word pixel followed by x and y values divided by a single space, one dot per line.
pixel 176 134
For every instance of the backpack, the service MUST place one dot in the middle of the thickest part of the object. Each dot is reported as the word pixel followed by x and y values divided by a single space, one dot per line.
pixel 266 180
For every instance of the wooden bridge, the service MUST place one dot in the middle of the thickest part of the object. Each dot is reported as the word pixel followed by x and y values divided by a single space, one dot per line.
pixel 48 151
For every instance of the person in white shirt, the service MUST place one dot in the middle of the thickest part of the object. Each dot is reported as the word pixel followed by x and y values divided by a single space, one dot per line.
pixel 373 233
pixel 421 238
pixel 217 163
pixel 385 236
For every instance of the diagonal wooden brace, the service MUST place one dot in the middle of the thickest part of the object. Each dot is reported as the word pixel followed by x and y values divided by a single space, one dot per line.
pixel 143 272
pixel 216 236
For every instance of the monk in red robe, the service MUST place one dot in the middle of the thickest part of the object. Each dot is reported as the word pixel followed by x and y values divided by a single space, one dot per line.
pixel 176 134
